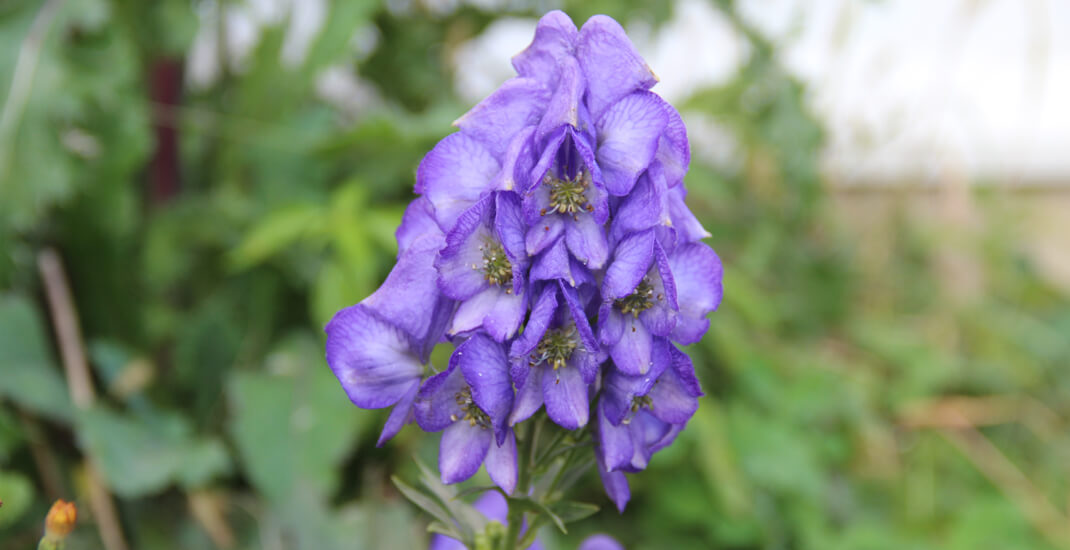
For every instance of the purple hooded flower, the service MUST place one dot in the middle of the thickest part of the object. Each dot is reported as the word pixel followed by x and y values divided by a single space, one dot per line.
pixel 639 302
pixel 600 542
pixel 640 415
pixel 555 360
pixel 483 267
pixel 470 401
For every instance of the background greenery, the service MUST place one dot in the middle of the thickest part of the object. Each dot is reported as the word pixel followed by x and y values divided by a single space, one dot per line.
pixel 901 387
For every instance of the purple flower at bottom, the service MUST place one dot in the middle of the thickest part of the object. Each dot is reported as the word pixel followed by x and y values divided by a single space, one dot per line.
pixel 469 401
pixel 492 505
pixel 600 542
pixel 555 360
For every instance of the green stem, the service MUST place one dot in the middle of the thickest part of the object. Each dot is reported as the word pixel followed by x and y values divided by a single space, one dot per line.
pixel 515 519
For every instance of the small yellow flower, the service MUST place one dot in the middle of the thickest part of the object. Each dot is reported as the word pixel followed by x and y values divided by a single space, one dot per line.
pixel 61 518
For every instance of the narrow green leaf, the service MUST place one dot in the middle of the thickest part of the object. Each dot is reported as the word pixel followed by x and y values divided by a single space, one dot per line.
pixel 423 501
pixel 570 511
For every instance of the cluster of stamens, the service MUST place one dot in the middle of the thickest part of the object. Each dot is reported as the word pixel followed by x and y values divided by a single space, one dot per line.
pixel 639 402
pixel 640 300
pixel 568 195
pixel 556 347
pixel 497 269
pixel 472 413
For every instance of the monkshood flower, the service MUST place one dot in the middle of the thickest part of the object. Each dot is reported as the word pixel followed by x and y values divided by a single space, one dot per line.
pixel 469 402
pixel 640 415
pixel 551 245
pixel 556 360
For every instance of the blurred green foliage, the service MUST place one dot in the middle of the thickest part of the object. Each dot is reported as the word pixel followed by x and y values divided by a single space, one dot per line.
pixel 201 305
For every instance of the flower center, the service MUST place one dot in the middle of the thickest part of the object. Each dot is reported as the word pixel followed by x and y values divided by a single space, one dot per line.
pixel 568 196
pixel 639 300
pixel 556 347
pixel 472 413
pixel 639 402
pixel 497 269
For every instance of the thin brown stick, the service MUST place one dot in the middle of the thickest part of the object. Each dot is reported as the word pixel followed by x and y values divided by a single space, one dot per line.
pixel 46 463
pixel 80 385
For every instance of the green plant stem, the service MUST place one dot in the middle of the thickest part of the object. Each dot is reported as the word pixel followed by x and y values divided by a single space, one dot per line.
pixel 516 513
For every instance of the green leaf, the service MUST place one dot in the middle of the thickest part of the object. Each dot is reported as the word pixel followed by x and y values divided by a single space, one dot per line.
pixel 141 456
pixel 570 511
pixel 30 377
pixel 425 503
pixel 293 425
pixel 274 233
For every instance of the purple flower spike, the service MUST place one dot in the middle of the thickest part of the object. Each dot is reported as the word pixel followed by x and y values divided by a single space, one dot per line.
pixel 551 242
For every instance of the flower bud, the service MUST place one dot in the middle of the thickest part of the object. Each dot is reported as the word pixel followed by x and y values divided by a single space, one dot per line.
pixel 60 520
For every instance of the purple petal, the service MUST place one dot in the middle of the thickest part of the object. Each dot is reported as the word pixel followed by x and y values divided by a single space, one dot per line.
pixel 575 307
pixel 372 359
pixel 501 463
pixel 610 324
pixel 528 397
pixel 542 314
pixel 544 232
pixel 645 207
pixel 497 311
pixel 485 369
pixel 460 263
pixel 517 162
pixel 646 431
pixel 555 38
pixel 684 222
pixel 510 228
pixel 436 403
pixel 600 542
pixel 462 450
pixel 632 353
pixel 616 486
pixel 615 447
pixel 620 388
pixel 564 106
pixel 674 153
pixel 418 222
pixel 673 397
pixel 628 136
pixel 455 174
pixel 566 398
pixel 516 104
pixel 411 300
pixel 553 263
pixel 661 318
pixel 586 239
pixel 631 260
pixel 612 66
pixel 401 414
pixel 697 272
